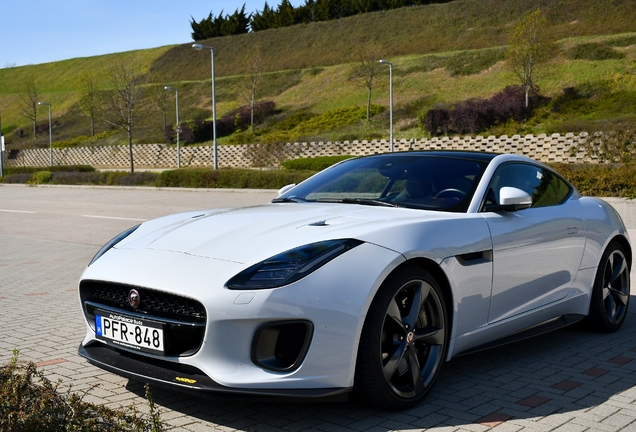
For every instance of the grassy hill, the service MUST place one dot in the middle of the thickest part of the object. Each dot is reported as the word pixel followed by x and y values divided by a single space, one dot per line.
pixel 442 53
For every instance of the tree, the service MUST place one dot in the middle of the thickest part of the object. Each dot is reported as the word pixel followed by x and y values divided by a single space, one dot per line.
pixel 29 98
pixel 119 102
pixel 207 28
pixel 530 47
pixel 160 99
pixel 228 25
pixel 248 89
pixel 88 101
pixel 237 23
pixel 363 74
pixel 255 80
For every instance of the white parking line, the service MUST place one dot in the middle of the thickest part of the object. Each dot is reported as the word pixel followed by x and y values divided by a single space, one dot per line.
pixel 17 211
pixel 114 217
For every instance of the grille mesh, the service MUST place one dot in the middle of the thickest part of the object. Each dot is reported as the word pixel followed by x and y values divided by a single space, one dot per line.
pixel 152 302
pixel 183 333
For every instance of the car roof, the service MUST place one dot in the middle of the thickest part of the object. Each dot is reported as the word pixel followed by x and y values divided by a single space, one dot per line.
pixel 459 154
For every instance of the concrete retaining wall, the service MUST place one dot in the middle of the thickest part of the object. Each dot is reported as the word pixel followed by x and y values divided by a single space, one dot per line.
pixel 545 148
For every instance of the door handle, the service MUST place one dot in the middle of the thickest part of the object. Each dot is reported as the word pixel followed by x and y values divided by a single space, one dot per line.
pixel 572 230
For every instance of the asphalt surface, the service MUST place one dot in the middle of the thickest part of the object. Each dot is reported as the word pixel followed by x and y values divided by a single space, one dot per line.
pixel 568 380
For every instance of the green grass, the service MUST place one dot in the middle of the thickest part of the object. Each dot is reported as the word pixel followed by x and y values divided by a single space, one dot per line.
pixel 442 54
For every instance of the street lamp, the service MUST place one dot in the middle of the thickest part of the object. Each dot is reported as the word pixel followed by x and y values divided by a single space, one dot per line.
pixel 50 136
pixel 178 127
pixel 199 47
pixel 1 149
pixel 390 98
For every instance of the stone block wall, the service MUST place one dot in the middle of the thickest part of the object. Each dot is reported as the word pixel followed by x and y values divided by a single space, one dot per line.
pixel 545 148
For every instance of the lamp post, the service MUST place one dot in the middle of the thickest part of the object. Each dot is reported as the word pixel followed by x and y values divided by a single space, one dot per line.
pixel 199 47
pixel 390 99
pixel 178 127
pixel 50 135
pixel 1 149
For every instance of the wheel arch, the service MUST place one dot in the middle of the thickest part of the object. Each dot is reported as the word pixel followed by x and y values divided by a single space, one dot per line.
pixel 622 240
pixel 436 271
pixel 363 371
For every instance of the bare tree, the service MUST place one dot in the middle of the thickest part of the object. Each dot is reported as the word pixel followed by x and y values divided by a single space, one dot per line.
pixel 363 74
pixel 255 80
pixel 248 89
pixel 89 101
pixel 530 47
pixel 160 99
pixel 29 98
pixel 119 102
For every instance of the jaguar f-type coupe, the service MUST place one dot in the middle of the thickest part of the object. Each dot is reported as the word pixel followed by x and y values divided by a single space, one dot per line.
pixel 364 278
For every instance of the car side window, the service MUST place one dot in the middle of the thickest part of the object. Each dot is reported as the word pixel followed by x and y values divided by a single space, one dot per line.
pixel 545 188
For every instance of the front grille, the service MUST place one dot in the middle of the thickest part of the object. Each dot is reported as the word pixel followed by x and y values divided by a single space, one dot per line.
pixel 184 318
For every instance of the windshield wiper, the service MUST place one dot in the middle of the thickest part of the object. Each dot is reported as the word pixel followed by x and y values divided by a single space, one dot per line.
pixel 287 200
pixel 361 201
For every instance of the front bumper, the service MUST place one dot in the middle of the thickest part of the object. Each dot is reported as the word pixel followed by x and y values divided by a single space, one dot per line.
pixel 186 378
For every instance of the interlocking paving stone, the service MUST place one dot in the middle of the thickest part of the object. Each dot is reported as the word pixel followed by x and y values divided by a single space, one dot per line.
pixel 567 385
pixel 470 387
pixel 494 419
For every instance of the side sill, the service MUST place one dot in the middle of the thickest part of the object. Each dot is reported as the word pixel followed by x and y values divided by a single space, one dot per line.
pixel 188 379
pixel 536 330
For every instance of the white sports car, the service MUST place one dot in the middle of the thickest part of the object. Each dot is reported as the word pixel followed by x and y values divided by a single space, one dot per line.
pixel 366 277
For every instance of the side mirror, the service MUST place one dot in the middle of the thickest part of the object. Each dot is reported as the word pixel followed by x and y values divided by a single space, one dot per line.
pixel 513 199
pixel 285 189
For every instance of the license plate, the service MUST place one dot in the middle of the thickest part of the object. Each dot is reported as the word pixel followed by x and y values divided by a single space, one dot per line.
pixel 129 332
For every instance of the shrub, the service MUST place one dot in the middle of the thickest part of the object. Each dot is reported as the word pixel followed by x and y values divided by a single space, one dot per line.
pixel 240 119
pixel 82 140
pixel 622 41
pixel 474 61
pixel 313 164
pixel 293 120
pixel 30 402
pixel 17 178
pixel 473 116
pixel 603 180
pixel 594 51
pixel 40 177
pixel 230 178
pixel 611 146
pixel 55 168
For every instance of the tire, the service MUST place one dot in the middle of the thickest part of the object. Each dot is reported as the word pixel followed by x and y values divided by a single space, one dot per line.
pixel 404 341
pixel 610 293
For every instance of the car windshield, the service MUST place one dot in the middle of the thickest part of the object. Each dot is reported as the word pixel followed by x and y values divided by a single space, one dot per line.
pixel 421 181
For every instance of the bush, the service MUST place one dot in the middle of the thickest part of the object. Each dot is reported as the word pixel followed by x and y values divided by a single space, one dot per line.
pixel 30 402
pixel 473 116
pixel 594 51
pixel 82 140
pixel 40 177
pixel 611 146
pixel 55 168
pixel 113 178
pixel 474 61
pixel 602 180
pixel 17 178
pixel 313 164
pixel 230 178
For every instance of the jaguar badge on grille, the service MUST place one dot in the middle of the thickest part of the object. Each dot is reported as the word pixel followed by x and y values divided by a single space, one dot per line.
pixel 134 298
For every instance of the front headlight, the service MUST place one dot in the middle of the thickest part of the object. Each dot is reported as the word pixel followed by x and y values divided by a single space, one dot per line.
pixel 291 265
pixel 112 243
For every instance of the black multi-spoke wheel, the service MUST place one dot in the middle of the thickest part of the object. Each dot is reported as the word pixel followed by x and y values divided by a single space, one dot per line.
pixel 404 341
pixel 610 296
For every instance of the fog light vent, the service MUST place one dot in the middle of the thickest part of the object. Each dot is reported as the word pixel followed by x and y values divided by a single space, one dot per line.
pixel 281 346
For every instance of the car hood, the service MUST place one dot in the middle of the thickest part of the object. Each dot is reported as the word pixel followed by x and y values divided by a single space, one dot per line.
pixel 249 235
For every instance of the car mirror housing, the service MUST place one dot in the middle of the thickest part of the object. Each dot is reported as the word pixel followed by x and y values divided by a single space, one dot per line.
pixel 285 189
pixel 514 199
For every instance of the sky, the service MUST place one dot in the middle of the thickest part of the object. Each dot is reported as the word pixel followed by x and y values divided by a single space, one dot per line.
pixel 42 31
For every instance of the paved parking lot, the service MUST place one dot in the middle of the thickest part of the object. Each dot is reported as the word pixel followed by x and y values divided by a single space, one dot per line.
pixel 569 380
